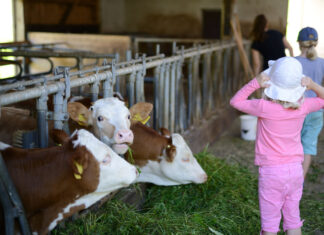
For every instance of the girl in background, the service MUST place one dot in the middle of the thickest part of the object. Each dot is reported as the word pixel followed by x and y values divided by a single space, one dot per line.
pixel 278 149
pixel 313 67
pixel 267 43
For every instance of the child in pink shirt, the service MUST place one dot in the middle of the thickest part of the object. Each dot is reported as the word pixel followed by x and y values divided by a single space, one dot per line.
pixel 278 149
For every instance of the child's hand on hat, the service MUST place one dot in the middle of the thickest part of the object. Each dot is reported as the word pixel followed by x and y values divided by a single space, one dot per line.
pixel 307 82
pixel 263 79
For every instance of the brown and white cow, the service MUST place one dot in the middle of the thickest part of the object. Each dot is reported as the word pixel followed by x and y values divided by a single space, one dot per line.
pixel 56 182
pixel 109 120
pixel 158 164
pixel 163 159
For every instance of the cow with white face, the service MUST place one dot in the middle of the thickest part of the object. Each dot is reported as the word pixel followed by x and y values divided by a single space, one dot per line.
pixel 108 119
pixel 56 182
pixel 163 159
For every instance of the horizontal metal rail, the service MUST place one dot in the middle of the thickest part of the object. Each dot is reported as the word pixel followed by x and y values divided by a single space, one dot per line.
pixel 186 86
pixel 22 84
pixel 55 53
pixel 31 93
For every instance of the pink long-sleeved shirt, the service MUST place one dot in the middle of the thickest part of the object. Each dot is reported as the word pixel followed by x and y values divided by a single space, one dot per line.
pixel 278 129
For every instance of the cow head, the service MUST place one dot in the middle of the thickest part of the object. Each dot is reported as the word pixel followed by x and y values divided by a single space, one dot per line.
pixel 109 119
pixel 176 165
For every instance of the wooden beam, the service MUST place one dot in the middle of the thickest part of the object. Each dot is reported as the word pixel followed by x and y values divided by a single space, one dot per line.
pixel 235 24
pixel 68 10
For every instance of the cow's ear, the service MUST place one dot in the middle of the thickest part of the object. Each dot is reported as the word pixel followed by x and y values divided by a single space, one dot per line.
pixel 170 151
pixel 59 136
pixel 79 164
pixel 79 113
pixel 140 112
pixel 165 132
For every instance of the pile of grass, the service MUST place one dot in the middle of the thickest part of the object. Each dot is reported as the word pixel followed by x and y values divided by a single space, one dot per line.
pixel 226 204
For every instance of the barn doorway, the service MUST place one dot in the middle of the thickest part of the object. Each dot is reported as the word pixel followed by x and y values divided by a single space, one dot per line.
pixel 212 22
pixel 7 33
pixel 305 13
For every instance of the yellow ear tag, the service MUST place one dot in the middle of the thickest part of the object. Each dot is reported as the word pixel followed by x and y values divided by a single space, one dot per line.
pixel 78 177
pixel 82 120
pixel 80 170
pixel 137 117
pixel 145 121
pixel 79 167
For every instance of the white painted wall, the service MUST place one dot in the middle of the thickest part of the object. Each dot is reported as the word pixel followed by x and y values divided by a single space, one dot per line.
pixel 306 13
pixel 7 33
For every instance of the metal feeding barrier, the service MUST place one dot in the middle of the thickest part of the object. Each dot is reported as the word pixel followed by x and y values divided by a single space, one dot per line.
pixel 187 86
pixel 45 51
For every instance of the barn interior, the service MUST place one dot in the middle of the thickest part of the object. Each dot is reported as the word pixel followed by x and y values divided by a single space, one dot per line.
pixel 186 57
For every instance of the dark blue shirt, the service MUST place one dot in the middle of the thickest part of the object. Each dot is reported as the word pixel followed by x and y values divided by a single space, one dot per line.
pixel 271 48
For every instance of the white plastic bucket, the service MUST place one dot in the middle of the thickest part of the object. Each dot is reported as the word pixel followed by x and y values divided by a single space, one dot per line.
pixel 248 127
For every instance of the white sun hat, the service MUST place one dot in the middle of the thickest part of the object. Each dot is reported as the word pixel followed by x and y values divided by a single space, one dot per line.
pixel 285 75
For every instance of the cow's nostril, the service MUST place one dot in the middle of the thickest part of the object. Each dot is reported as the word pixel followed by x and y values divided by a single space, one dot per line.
pixel 204 177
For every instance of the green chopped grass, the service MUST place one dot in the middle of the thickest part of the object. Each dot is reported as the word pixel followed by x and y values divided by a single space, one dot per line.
pixel 226 204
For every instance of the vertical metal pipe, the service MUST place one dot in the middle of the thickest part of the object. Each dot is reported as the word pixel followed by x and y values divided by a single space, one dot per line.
pixel 166 96
pixel 190 91
pixel 174 48
pixel 58 110
pixel 117 81
pixel 95 88
pixel 214 77
pixel 156 106
pixel 139 85
pixel 107 86
pixel 225 71
pixel 140 82
pixel 80 67
pixel 131 89
pixel 172 96
pixel 181 118
pixel 161 94
pixel 9 196
pixel 42 126
pixel 196 90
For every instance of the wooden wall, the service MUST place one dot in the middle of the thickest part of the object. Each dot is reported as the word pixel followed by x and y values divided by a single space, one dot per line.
pixel 62 15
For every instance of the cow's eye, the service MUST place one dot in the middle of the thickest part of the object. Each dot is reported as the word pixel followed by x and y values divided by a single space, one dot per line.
pixel 91 108
pixel 100 118
pixel 128 117
pixel 106 160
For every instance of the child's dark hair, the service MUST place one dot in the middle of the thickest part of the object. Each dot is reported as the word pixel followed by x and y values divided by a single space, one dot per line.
pixel 259 25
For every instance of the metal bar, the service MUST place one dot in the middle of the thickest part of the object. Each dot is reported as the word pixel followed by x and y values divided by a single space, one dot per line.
pixel 14 201
pixel 166 96
pixel 172 97
pixel 161 94
pixel 124 71
pixel 190 92
pixel 196 90
pixel 42 126
pixel 62 54
pixel 58 110
pixel 130 89
pixel 156 106
pixel 180 119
